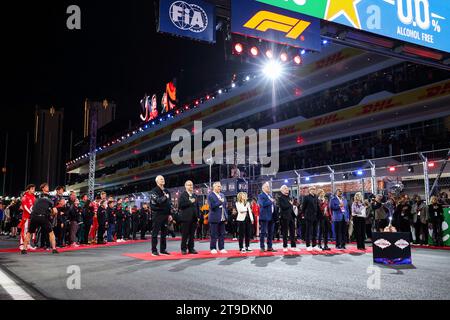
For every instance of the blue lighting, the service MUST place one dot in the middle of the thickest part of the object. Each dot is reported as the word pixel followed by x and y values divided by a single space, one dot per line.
pixel 303 51
pixel 307 178
pixel 286 181
pixel 359 172
pixel 324 42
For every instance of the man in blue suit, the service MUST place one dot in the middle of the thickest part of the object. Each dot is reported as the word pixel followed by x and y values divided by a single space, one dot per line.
pixel 217 218
pixel 340 217
pixel 266 211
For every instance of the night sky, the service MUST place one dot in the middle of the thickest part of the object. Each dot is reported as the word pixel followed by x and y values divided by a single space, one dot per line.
pixel 117 55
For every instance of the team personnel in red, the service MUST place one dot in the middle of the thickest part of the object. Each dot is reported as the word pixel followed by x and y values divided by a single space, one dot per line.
pixel 28 200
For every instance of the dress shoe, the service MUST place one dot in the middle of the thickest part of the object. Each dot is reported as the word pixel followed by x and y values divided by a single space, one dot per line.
pixel 165 253
pixel 184 253
pixel 193 252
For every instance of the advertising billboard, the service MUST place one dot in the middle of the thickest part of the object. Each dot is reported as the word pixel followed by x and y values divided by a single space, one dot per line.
pixel 254 19
pixel 422 22
pixel 194 19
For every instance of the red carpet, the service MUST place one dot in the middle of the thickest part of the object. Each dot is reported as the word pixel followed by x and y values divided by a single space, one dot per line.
pixel 236 254
pixel 81 247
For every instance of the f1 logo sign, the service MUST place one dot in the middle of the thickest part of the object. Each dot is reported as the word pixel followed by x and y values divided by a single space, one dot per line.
pixel 265 20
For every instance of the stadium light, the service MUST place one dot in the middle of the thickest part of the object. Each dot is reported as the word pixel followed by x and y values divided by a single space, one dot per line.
pixel 298 60
pixel 359 172
pixel 303 51
pixel 431 164
pixel 307 179
pixel 411 169
pixel 269 54
pixel 238 48
pixel 392 169
pixel 284 57
pixel 273 70
pixel 254 51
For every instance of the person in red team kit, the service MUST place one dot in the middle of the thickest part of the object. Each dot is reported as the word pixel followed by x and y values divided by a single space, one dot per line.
pixel 28 200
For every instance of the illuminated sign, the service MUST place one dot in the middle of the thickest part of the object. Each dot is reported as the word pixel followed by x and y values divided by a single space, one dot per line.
pixel 265 22
pixel 149 108
pixel 168 103
pixel 422 22
pixel 195 19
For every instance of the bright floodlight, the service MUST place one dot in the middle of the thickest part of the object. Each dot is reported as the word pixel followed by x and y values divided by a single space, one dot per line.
pixel 269 54
pixel 239 48
pixel 254 51
pixel 273 70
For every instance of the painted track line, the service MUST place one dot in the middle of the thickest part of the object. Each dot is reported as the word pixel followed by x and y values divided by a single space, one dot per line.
pixel 12 288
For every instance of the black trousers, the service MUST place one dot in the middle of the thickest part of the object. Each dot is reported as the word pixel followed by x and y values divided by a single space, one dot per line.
pixel 340 230
pixel 245 231
pixel 311 232
pixel 143 224
pixel 127 229
pixel 324 231
pixel 100 233
pixel 87 228
pixel 288 225
pixel 421 229
pixel 437 233
pixel 369 230
pixel 159 225
pixel 359 225
pixel 188 235
pixel 59 235
pixel 135 226
pixel 119 229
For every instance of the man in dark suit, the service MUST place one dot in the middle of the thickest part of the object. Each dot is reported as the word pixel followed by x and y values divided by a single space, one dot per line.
pixel 217 218
pixel 287 218
pixel 311 210
pixel 161 205
pixel 189 217
pixel 266 211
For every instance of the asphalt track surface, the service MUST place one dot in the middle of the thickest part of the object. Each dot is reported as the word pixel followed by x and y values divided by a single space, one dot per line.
pixel 107 274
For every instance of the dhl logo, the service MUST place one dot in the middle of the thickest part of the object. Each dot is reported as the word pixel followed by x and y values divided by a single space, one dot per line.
pixel 379 106
pixel 435 91
pixel 326 120
pixel 265 20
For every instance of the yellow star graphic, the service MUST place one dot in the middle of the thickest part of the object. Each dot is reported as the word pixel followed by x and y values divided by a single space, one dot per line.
pixel 336 8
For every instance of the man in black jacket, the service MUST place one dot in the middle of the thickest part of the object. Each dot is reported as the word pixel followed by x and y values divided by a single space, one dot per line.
pixel 287 218
pixel 144 216
pixel 311 210
pixel 189 217
pixel 161 205
pixel 102 219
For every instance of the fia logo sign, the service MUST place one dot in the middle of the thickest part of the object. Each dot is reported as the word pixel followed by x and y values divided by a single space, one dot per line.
pixel 187 16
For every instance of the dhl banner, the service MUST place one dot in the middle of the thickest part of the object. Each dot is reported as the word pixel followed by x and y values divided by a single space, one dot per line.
pixel 342 55
pixel 433 91
pixel 405 99
pixel 258 20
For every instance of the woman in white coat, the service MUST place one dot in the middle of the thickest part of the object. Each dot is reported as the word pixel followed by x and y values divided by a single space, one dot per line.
pixel 245 221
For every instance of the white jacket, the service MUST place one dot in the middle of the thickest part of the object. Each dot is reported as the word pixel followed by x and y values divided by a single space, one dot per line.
pixel 243 210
